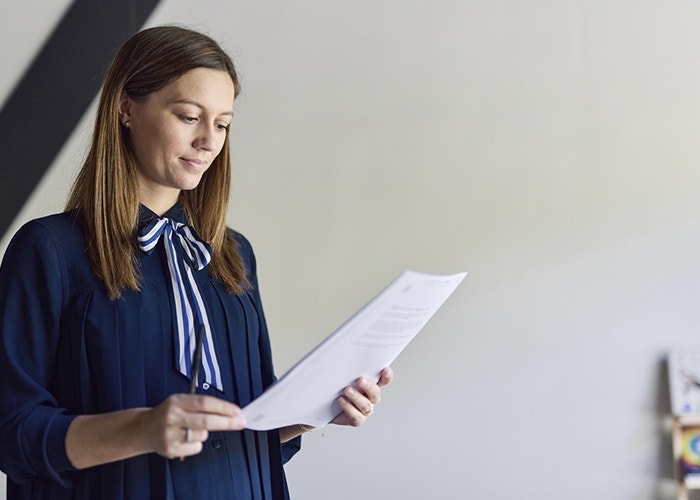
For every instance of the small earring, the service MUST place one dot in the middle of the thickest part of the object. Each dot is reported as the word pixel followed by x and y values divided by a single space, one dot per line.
pixel 126 124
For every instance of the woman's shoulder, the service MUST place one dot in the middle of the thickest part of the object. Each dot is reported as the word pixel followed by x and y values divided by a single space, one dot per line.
pixel 245 252
pixel 58 227
pixel 61 232
pixel 241 241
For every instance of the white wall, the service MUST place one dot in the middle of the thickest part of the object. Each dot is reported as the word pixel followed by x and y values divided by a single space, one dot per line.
pixel 548 148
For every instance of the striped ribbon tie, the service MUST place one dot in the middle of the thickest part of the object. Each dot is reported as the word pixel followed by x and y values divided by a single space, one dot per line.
pixel 185 251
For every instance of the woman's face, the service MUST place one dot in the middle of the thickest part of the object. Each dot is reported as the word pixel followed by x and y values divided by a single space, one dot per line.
pixel 177 132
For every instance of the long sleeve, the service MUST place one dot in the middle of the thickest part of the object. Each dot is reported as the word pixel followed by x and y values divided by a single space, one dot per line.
pixel 291 447
pixel 66 349
pixel 32 425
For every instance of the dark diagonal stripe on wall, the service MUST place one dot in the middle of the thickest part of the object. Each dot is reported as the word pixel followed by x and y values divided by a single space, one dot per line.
pixel 54 93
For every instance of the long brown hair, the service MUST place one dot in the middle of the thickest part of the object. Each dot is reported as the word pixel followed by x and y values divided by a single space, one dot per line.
pixel 106 189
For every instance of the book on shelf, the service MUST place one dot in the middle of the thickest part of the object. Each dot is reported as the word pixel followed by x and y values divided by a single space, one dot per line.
pixel 690 455
pixel 684 382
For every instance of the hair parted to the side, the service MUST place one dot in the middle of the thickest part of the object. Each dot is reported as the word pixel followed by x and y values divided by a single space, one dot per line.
pixel 106 189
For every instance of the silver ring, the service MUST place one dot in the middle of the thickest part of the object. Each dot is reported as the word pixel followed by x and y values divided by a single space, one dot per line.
pixel 188 435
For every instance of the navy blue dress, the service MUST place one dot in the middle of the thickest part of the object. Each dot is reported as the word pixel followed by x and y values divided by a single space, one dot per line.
pixel 66 350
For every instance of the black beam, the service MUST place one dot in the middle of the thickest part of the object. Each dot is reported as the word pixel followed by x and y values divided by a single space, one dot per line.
pixel 54 93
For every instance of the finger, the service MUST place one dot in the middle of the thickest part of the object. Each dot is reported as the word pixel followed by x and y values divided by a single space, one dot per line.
pixel 205 404
pixel 177 444
pixel 371 390
pixel 213 422
pixel 353 415
pixel 190 443
pixel 205 412
pixel 360 401
pixel 386 376
pixel 194 435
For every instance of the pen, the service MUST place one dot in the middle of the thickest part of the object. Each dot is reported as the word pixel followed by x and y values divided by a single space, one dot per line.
pixel 196 362
pixel 197 359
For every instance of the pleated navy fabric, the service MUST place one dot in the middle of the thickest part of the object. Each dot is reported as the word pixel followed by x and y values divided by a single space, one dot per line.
pixel 185 252
pixel 66 350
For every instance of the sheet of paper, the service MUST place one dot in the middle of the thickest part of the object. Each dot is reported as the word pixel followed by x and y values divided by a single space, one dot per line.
pixel 369 341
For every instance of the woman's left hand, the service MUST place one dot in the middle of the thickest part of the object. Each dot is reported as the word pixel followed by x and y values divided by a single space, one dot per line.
pixel 357 401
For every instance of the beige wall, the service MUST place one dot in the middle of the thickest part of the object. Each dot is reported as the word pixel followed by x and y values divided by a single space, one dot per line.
pixel 548 148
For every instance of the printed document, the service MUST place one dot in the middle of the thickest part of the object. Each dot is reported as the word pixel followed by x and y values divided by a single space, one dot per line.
pixel 368 342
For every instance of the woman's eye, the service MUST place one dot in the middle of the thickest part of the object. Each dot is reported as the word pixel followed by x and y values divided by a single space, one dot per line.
pixel 223 126
pixel 188 119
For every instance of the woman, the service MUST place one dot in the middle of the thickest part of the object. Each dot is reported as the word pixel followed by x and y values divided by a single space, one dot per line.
pixel 101 306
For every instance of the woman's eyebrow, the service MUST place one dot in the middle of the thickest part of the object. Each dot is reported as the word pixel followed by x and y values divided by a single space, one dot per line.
pixel 200 106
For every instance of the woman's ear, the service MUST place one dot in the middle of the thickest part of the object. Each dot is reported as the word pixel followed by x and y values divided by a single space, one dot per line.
pixel 124 109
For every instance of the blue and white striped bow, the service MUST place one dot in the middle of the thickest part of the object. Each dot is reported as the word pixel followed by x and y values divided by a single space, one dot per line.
pixel 185 250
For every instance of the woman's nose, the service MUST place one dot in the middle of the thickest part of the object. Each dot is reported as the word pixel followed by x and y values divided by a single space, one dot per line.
pixel 206 138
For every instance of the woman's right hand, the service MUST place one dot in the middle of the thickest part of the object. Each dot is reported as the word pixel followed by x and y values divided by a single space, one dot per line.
pixel 179 425
pixel 98 439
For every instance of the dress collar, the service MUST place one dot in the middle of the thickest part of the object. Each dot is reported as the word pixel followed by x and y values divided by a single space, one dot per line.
pixel 146 215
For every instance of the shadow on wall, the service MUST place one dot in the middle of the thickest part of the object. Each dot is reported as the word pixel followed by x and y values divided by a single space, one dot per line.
pixel 665 469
